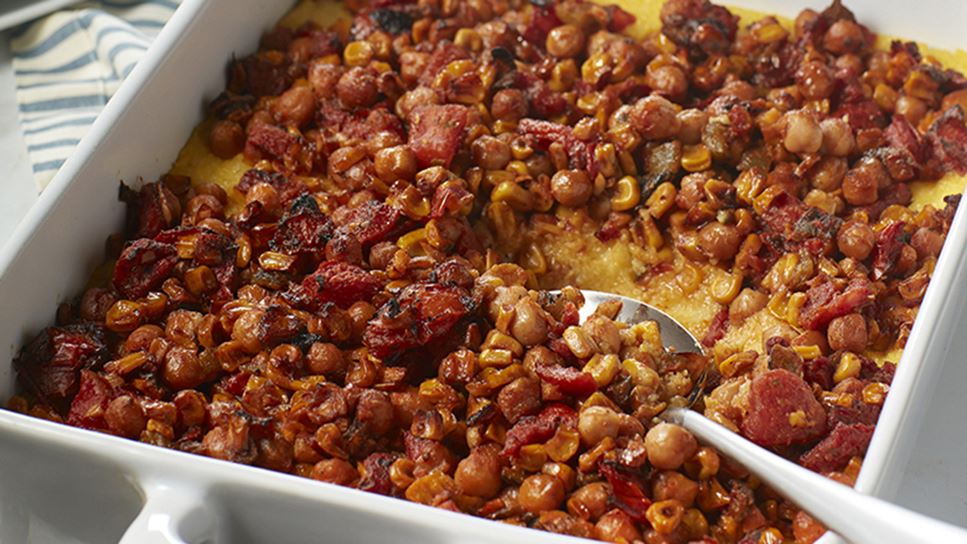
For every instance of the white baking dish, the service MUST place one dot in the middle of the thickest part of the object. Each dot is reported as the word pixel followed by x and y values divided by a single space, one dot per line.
pixel 62 484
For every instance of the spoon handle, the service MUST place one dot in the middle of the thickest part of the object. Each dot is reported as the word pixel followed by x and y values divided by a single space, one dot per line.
pixel 856 517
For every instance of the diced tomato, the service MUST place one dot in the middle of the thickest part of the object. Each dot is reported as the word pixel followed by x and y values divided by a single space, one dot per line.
pixel 437 132
pixel 143 266
pixel 569 380
pixel 340 283
pixel 889 242
pixel 825 302
pixel 50 364
pixel 627 491
pixel 303 230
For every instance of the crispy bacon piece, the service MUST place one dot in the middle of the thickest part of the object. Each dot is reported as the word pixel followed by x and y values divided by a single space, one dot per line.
pixel 260 75
pixel 543 101
pixel 825 302
pixel 847 406
pixel 699 26
pixel 291 150
pixel 889 242
pixel 539 428
pixel 443 54
pixel 716 329
pixel 90 403
pixel 902 135
pixel 782 411
pixel 341 283
pixel 834 451
pixel 819 371
pixel 569 380
pixel 304 230
pixel 143 266
pixel 419 315
pixel 437 132
pixel 626 489
pixel 50 364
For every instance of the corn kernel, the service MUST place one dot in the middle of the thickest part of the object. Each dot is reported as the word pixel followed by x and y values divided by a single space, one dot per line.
pixel 641 374
pixel 272 260
pixel 885 97
pixel 127 364
pixel 518 167
pixel 501 127
pixel 808 352
pixel 532 457
pixel 603 368
pixel 579 342
pixel 533 260
pixel 563 76
pixel 563 445
pixel 661 200
pixel 596 68
pixel 501 341
pixel 520 150
pixel 468 39
pixel 514 195
pixel 627 194
pixel 696 158
pixel 410 242
pixel 738 363
pixel 725 290
pixel 848 367
pixel 919 84
pixel 495 358
pixel 689 278
pixel 875 393
pixel 665 516
pixel 769 33
pixel 358 53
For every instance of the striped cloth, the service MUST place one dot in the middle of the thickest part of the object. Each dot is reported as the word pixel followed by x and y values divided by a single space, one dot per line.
pixel 68 64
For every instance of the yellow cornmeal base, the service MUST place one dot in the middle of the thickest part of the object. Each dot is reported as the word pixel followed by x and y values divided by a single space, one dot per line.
pixel 576 256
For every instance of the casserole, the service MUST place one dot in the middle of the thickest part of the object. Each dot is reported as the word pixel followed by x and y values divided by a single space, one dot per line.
pixel 52 286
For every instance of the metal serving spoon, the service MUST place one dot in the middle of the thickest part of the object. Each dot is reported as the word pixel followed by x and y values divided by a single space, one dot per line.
pixel 856 517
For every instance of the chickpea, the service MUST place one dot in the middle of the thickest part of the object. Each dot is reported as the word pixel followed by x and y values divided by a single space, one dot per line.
pixel 417 97
pixel 669 445
pixel 815 80
pixel 719 241
pixel 529 326
pixel 693 122
pixel 335 471
pixel 267 196
pixel 183 369
pixel 565 41
pixel 926 242
pixel 572 188
pixel 202 207
pixel 862 183
pixel 540 493
pixel 226 139
pixel 803 134
pixel 509 105
pixel 616 526
pixel 604 333
pixel 911 108
pixel 655 118
pixel 295 107
pixel 668 80
pixel 855 240
pixel 827 174
pixel 490 153
pixel 805 21
pixel 478 474
pixel 358 88
pixel 845 36
pixel 748 302
pixel 848 333
pixel 838 139
pixel 395 163
pixel 676 486
pixel 597 423
pixel 589 502
pixel 141 338
pixel 125 417
pixel 325 359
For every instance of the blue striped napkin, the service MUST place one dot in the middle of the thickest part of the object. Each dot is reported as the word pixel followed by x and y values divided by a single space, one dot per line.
pixel 68 64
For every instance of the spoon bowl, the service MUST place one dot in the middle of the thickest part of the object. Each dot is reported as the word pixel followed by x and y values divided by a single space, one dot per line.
pixel 854 516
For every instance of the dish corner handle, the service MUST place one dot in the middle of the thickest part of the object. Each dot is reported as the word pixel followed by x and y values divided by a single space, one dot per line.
pixel 172 514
